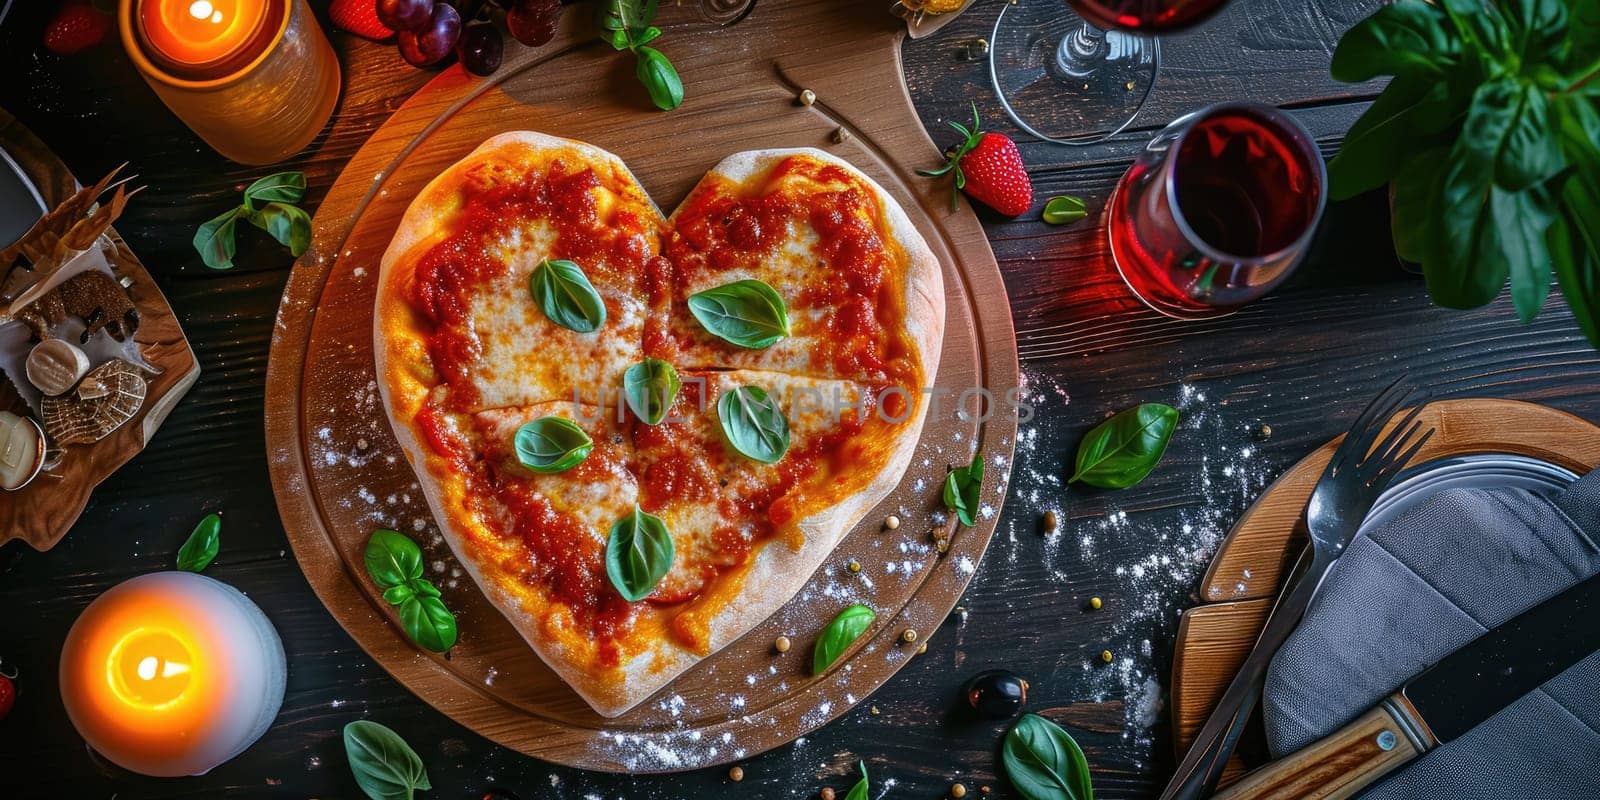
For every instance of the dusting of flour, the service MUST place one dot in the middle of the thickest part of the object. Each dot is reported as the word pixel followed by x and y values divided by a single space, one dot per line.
pixel 1160 553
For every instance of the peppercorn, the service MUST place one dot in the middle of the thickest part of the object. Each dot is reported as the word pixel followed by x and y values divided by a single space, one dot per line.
pixel 1050 520
pixel 736 774
pixel 909 635
pixel 1105 655
pixel 840 135
pixel 1095 603
pixel 891 522
pixel 854 565
pixel 957 790
pixel 781 644
pixel 807 97
pixel 827 793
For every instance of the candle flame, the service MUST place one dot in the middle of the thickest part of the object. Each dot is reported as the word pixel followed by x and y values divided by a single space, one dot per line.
pixel 200 31
pixel 149 668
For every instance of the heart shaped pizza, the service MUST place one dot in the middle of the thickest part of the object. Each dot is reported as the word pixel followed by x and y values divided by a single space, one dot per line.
pixel 642 435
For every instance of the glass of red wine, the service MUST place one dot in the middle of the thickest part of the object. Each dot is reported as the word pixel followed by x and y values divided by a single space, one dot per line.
pixel 1217 209
pixel 1078 73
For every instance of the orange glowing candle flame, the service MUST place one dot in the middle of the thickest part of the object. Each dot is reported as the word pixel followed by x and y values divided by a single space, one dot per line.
pixel 200 32
pixel 149 668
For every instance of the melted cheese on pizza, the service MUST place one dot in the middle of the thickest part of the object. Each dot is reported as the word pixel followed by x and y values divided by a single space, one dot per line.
pixel 815 232
pixel 721 505
pixel 490 341
pixel 556 524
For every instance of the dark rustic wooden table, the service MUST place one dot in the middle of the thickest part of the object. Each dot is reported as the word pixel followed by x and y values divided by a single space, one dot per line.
pixel 1303 361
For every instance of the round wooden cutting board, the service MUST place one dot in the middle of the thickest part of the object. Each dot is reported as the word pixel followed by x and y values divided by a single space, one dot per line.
pixel 1243 580
pixel 338 473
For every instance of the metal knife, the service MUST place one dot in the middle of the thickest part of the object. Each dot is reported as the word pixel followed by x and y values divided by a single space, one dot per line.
pixel 1444 702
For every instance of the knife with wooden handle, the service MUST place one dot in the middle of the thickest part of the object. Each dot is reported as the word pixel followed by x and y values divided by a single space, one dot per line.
pixel 1444 702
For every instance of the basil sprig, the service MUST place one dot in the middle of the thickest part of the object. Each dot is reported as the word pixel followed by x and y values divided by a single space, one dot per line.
pixel 638 554
pixel 1121 451
pixel 747 313
pixel 753 424
pixel 859 791
pixel 395 564
pixel 1489 134
pixel 649 387
pixel 961 490
pixel 201 547
pixel 839 635
pixel 627 27
pixel 276 214
pixel 385 767
pixel 566 296
pixel 549 445
pixel 1044 762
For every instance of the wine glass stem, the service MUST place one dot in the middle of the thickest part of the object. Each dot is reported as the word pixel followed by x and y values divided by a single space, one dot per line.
pixel 1082 51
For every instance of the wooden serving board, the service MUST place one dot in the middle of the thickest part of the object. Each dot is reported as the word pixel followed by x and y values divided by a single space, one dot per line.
pixel 43 511
pixel 338 473
pixel 1215 637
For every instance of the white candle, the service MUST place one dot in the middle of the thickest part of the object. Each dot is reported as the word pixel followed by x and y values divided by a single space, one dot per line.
pixel 21 450
pixel 172 673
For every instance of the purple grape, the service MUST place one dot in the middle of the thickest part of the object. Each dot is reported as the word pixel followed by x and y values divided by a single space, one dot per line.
pixel 480 48
pixel 533 22
pixel 405 15
pixel 435 41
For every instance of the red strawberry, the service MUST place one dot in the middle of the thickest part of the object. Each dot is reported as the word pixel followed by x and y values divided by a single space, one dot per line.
pixel 989 169
pixel 8 696
pixel 77 26
pixel 359 17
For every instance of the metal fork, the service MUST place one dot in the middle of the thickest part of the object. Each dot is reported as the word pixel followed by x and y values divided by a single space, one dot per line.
pixel 1354 478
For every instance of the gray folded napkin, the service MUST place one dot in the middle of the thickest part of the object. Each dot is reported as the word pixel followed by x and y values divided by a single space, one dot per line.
pixel 1410 592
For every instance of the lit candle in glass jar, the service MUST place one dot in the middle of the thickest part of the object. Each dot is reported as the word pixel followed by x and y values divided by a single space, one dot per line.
pixel 172 673
pixel 255 78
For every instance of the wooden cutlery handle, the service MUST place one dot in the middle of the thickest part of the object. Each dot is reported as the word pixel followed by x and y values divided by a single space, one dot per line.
pixel 1346 761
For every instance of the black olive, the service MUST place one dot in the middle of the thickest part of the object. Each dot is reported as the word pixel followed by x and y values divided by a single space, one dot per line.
pixel 996 693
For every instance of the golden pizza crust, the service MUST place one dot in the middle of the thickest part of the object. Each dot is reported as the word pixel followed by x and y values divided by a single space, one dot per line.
pixel 652 658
